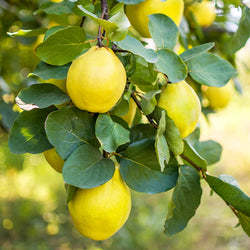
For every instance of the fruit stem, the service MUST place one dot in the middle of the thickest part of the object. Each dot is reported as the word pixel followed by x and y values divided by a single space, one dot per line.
pixel 105 16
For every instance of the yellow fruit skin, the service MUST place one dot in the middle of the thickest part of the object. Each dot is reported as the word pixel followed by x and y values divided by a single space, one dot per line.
pixel 61 84
pixel 100 212
pixel 96 80
pixel 182 105
pixel 204 12
pixel 54 160
pixel 129 117
pixel 219 97
pixel 138 14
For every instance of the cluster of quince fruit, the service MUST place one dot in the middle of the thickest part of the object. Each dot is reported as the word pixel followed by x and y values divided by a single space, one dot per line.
pixel 95 82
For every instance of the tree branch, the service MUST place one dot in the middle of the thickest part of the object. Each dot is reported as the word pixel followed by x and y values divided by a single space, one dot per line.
pixel 105 16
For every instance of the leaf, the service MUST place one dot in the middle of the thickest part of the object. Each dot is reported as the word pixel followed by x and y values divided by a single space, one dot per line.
pixel 210 150
pixel 190 153
pixel 142 131
pixel 171 65
pixel 230 194
pixel 110 134
pixel 52 30
pixel 210 70
pixel 185 200
pixel 70 190
pixel 64 7
pixel 70 41
pixel 149 102
pixel 107 25
pixel 40 96
pixel 7 115
pixel 68 128
pixel 118 16
pixel 229 179
pixel 196 51
pixel 161 146
pixel 141 171
pixel 46 71
pixel 241 36
pixel 133 45
pixel 28 33
pixel 27 134
pixel 130 1
pixel 163 31
pixel 86 168
pixel 245 222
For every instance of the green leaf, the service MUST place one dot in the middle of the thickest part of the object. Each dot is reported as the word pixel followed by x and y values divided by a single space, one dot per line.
pixel 110 134
pixel 107 25
pixel 230 194
pixel 40 96
pixel 209 150
pixel 121 108
pixel 185 200
pixel 130 1
pixel 118 16
pixel 133 45
pixel 7 115
pixel 196 51
pixel 64 7
pixel 143 77
pixel 210 70
pixel 142 131
pixel 163 31
pixel 52 30
pixel 190 153
pixel 68 128
pixel 241 36
pixel 46 71
pixel 161 146
pixel 62 47
pixel 28 33
pixel 70 190
pixel 245 222
pixel 171 65
pixel 27 134
pixel 86 168
pixel 149 102
pixel 141 171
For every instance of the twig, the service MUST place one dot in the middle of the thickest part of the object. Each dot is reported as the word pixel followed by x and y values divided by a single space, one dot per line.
pixel 105 16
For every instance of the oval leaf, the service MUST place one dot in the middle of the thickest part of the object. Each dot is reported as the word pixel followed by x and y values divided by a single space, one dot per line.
pixel 86 168
pixel 27 134
pixel 163 31
pixel 171 65
pixel 210 70
pixel 185 200
pixel 41 96
pixel 68 128
pixel 62 47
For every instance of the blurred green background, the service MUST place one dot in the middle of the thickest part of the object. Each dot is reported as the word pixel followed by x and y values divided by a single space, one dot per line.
pixel 33 214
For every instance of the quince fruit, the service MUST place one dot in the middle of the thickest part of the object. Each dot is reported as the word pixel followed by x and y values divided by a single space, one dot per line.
pixel 219 97
pixel 96 80
pixel 203 12
pixel 138 14
pixel 182 105
pixel 54 160
pixel 129 117
pixel 61 84
pixel 100 212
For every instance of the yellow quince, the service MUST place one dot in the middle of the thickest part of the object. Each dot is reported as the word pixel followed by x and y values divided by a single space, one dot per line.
pixel 54 160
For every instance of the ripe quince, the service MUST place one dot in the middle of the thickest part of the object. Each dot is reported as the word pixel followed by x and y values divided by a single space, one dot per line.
pixel 100 212
pixel 138 14
pixel 182 105
pixel 54 159
pixel 96 80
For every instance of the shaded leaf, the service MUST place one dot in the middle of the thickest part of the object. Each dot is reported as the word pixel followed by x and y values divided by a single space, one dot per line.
pixel 245 222
pixel 7 115
pixel 149 101
pixel 210 70
pixel 185 200
pixel 27 134
pixel 110 134
pixel 86 168
pixel 230 194
pixel 70 190
pixel 28 33
pixel 40 96
pixel 142 131
pixel 68 128
pixel 64 7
